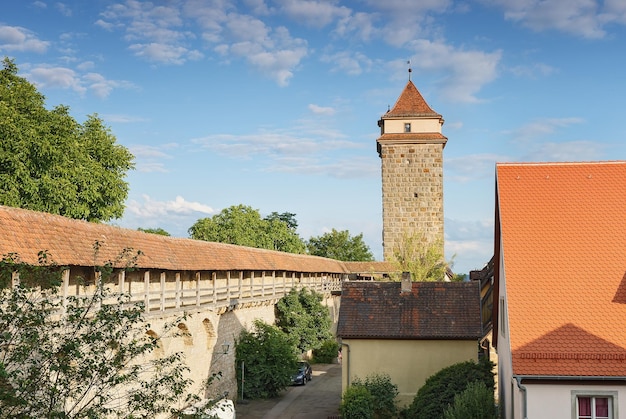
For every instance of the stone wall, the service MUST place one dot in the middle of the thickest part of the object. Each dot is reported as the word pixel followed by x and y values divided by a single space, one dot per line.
pixel 412 189
pixel 207 338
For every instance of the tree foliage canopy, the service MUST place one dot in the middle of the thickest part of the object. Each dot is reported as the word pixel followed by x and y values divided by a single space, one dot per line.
pixel 79 356
pixel 269 361
pixel 340 245
pixel 303 317
pixel 424 260
pixel 243 225
pixel 51 163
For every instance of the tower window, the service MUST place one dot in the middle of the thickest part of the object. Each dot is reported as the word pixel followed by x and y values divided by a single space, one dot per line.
pixel 407 127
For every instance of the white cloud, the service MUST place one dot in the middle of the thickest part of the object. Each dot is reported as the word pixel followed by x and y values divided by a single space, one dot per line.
pixel 59 77
pixel 66 78
pixel 471 167
pixel 272 144
pixel 543 127
pixel 344 168
pixel 464 72
pixel 15 38
pixel 165 53
pixel 64 9
pixel 350 62
pixel 533 71
pixel 565 151
pixel 584 18
pixel 123 119
pixel 321 110
pixel 313 13
pixel 150 208
pixel 148 151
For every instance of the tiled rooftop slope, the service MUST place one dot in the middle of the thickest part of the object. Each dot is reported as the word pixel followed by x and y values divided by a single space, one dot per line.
pixel 432 310
pixel 563 232
pixel 70 242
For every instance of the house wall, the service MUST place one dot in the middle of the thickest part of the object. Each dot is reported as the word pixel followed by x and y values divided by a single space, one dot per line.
pixel 556 401
pixel 396 126
pixel 509 395
pixel 408 362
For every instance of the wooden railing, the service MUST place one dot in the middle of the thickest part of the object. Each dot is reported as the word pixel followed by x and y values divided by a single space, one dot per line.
pixel 167 291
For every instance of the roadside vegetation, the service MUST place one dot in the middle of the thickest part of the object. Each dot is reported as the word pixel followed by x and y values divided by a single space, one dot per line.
pixel 460 391
pixel 267 356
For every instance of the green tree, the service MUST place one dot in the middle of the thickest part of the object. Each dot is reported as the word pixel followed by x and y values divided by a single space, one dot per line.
pixel 340 245
pixel 423 259
pixel 158 231
pixel 49 162
pixel 303 317
pixel 269 360
pixel 82 356
pixel 243 225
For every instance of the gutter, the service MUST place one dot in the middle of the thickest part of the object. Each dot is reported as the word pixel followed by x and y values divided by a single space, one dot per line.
pixel 518 380
pixel 347 365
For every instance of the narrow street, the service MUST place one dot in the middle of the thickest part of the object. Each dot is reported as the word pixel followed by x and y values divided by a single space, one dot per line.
pixel 318 399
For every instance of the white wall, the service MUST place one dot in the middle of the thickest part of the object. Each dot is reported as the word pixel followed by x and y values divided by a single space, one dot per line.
pixel 554 401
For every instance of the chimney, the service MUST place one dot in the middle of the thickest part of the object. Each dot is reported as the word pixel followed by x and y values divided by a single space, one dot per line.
pixel 405 283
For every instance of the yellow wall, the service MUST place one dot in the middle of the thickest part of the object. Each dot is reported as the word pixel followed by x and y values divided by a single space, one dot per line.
pixel 408 362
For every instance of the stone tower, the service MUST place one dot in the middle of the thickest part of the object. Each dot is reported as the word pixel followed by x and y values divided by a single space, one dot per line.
pixel 410 147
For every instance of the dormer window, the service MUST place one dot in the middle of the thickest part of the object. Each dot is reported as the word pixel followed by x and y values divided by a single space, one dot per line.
pixel 407 127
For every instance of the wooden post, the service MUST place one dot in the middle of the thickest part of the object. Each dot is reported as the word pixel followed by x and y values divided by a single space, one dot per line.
pixel 178 289
pixel 163 291
pixel 146 290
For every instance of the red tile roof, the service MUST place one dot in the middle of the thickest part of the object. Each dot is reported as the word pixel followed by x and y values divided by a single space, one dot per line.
pixel 432 310
pixel 70 242
pixel 563 241
pixel 411 103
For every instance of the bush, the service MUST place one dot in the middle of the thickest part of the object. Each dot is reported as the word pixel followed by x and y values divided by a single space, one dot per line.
pixel 327 353
pixel 384 394
pixel 269 361
pixel 439 390
pixel 475 402
pixel 357 403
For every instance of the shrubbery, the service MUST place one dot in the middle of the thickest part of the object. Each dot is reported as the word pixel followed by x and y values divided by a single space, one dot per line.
pixel 357 403
pixel 383 392
pixel 475 402
pixel 440 389
pixel 374 397
pixel 327 353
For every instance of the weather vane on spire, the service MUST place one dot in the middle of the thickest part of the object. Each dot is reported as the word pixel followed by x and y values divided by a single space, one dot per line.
pixel 409 64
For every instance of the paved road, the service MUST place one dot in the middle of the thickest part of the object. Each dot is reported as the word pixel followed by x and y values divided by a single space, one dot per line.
pixel 319 399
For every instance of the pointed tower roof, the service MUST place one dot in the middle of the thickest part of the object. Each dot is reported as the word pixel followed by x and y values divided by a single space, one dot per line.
pixel 411 104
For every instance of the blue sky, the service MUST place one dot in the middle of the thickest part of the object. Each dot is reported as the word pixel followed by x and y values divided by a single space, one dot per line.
pixel 274 104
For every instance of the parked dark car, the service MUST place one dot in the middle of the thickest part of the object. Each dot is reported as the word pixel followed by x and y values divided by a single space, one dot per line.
pixel 303 375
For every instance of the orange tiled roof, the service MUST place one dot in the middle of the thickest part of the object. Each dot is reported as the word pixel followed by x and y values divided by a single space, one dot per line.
pixel 563 241
pixel 70 242
pixel 411 103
